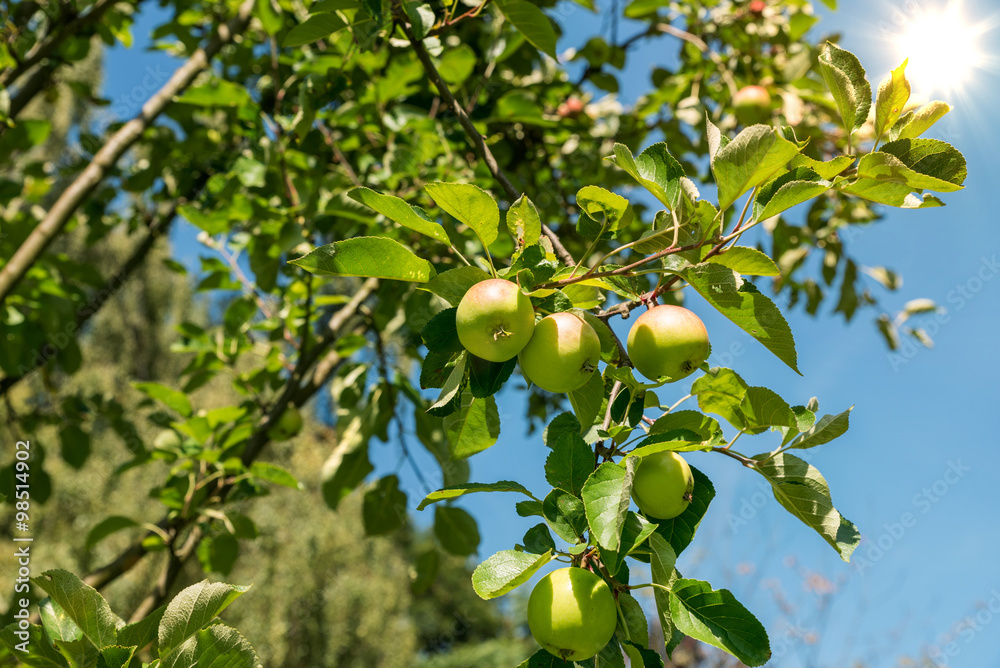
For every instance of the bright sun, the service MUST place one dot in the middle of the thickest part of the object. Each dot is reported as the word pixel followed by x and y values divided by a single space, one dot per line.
pixel 942 47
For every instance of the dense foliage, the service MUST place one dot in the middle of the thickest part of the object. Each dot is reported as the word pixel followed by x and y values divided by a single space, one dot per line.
pixel 354 167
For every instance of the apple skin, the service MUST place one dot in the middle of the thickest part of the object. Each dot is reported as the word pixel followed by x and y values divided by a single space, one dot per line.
pixel 289 424
pixel 562 354
pixel 752 104
pixel 667 342
pixel 571 613
pixel 495 320
pixel 663 485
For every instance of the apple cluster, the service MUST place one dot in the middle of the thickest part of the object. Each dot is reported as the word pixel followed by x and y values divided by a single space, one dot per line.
pixel 571 611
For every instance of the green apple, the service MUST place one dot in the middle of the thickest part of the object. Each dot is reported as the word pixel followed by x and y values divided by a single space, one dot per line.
pixel 288 425
pixel 562 354
pixel 495 320
pixel 663 485
pixel 667 342
pixel 752 105
pixel 168 439
pixel 571 613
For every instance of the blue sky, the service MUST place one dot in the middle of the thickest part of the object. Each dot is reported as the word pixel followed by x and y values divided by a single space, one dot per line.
pixel 922 448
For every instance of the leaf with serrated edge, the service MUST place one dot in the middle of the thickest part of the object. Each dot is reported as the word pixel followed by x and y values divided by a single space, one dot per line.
pixel 474 428
pixel 751 311
pixel 828 428
pixel 717 618
pixel 746 260
pixel 469 204
pixel 192 610
pixel 371 257
pixel 83 605
pixel 798 185
pixel 218 645
pixel 851 91
pixel 914 123
pixel 569 464
pixel 506 570
pixel 606 496
pixel 452 285
pixel 892 95
pixel 531 22
pixel 802 490
pixel 752 158
pixel 654 169
pixel 456 491
pixel 399 211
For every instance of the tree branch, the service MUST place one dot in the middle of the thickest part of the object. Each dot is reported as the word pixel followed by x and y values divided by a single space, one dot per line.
pixel 160 225
pixel 477 139
pixel 105 159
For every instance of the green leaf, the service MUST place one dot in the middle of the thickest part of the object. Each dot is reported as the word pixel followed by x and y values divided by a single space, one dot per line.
pixel 606 211
pixel 538 540
pixel 893 93
pixel 542 659
pixel 40 651
pixel 313 29
pixel 828 428
pixel 486 378
pixel 826 170
pixel 845 77
pixel 275 474
pixel 721 391
pixel 475 427
pixel 565 515
pixel 74 445
pixel 343 471
pixel 456 491
pixel 606 496
pixel 754 313
pixel 143 632
pixel 217 646
pixel 218 554
pixel 802 490
pixel 564 423
pixel 115 657
pixel 914 123
pixel 763 408
pixel 384 507
pixel 940 165
pixel 106 527
pixel 746 260
pixel 456 530
pixel 587 400
pixel 172 399
pixel 374 257
pixel 661 565
pixel 452 285
pixel 425 567
pixel 680 531
pixel 798 185
pixel 754 157
pixel 506 570
pixel 440 334
pixel 82 604
pixel 191 611
pixel 635 530
pixel 470 205
pixel 569 464
pixel 706 427
pixel 531 22
pixel 451 398
pixel 632 619
pixel 375 9
pixel 717 618
pixel 57 623
pixel 421 17
pixel 655 170
pixel 251 173
pixel 674 441
pixel 523 222
pixel 395 209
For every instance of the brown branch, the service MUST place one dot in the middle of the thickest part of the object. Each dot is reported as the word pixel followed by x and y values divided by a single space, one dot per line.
pixel 156 229
pixel 106 158
pixel 175 562
pixel 477 139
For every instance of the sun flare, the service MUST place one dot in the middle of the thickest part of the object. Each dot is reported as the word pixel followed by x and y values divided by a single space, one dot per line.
pixel 943 48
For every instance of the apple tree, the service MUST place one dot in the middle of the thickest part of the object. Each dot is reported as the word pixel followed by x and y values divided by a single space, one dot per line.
pixel 402 207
